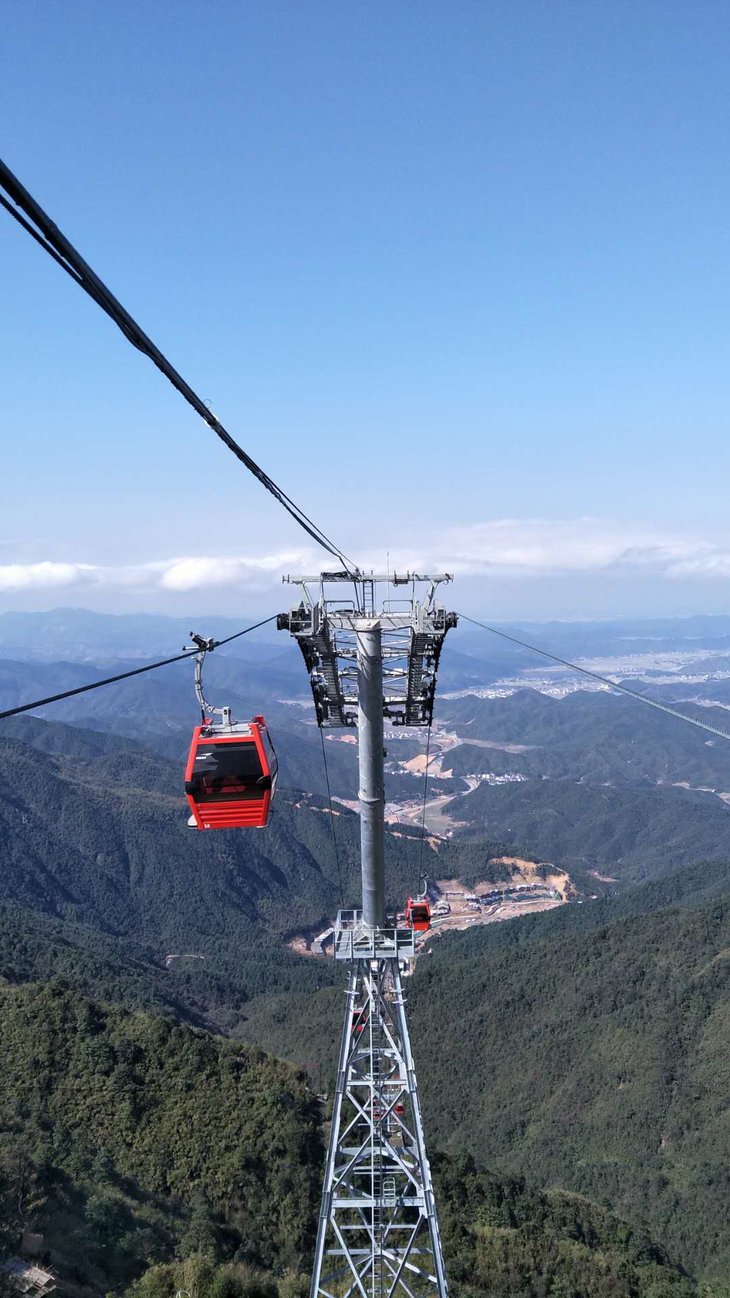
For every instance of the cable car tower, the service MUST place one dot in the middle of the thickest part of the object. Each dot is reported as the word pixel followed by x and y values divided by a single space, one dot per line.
pixel 378 1234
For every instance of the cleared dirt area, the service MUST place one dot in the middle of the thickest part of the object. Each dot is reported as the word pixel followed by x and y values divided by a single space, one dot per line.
pixel 535 872
pixel 455 907
pixel 439 820
pixel 417 765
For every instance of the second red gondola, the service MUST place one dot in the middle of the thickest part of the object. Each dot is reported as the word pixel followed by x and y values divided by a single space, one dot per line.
pixel 418 914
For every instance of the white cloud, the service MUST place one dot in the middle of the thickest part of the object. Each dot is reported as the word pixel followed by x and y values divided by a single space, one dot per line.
pixel 198 573
pixel 508 548
pixel 44 576
pixel 713 563
pixel 180 574
pixel 541 547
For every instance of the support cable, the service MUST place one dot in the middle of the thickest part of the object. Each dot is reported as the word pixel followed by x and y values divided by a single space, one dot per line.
pixel 423 809
pixel 39 225
pixel 332 820
pixel 604 680
pixel 123 676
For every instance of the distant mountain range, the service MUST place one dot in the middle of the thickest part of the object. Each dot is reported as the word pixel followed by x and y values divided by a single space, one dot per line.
pixel 79 635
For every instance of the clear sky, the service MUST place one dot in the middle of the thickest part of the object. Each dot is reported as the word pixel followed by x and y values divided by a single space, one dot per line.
pixel 457 274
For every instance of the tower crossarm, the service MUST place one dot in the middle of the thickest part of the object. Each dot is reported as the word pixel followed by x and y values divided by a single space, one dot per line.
pixel 313 634
pixel 423 661
pixel 413 633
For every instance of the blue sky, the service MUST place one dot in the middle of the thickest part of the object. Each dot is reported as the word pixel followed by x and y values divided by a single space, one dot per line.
pixel 456 275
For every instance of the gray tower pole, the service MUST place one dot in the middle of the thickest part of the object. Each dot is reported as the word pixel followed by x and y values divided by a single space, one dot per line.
pixel 372 780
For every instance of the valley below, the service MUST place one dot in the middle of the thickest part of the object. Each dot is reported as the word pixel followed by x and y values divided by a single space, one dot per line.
pixel 569 1006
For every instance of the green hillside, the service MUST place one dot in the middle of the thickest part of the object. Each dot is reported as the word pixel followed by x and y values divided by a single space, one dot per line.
pixel 503 1238
pixel 593 1034
pixel 95 831
pixel 601 1065
pixel 595 1054
pixel 104 884
pixel 633 833
pixel 596 737
pixel 500 1238
pixel 103 839
pixel 36 947
pixel 151 1155
pixel 127 1138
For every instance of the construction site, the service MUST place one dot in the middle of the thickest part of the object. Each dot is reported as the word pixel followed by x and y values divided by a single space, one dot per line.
pixel 528 888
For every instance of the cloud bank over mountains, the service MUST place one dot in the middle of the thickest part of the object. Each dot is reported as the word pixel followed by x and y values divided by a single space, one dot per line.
pixel 534 547
pixel 502 548
pixel 186 573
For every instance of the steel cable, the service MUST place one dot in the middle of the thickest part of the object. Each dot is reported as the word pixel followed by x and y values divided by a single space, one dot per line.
pixel 46 233
pixel 332 819
pixel 604 680
pixel 123 676
pixel 423 809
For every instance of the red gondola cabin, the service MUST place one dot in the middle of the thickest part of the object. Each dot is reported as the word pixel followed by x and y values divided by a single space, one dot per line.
pixel 359 1019
pixel 230 777
pixel 418 914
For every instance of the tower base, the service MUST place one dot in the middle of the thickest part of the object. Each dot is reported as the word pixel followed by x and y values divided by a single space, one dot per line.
pixel 378 1231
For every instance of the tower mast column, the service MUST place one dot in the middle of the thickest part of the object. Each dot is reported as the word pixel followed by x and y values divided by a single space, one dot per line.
pixel 371 764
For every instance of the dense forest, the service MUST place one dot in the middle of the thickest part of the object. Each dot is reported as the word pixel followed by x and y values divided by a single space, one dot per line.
pixel 593 736
pixel 634 833
pixel 131 1138
pixel 598 1037
pixel 150 1155
pixel 91 835
pixel 602 1067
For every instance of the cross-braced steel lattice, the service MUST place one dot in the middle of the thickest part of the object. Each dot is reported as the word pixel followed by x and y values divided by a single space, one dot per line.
pixel 378 1229
pixel 412 636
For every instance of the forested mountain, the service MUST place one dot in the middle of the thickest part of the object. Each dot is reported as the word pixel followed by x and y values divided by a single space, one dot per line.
pixel 587 738
pixel 37 947
pixel 128 1138
pixel 596 737
pixel 130 1141
pixel 503 1237
pixel 598 1041
pixel 632 834
pixel 160 710
pixel 103 838
pixel 93 831
pixel 602 1066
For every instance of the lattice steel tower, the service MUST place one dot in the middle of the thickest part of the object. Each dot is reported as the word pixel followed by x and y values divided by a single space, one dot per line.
pixel 378 1233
